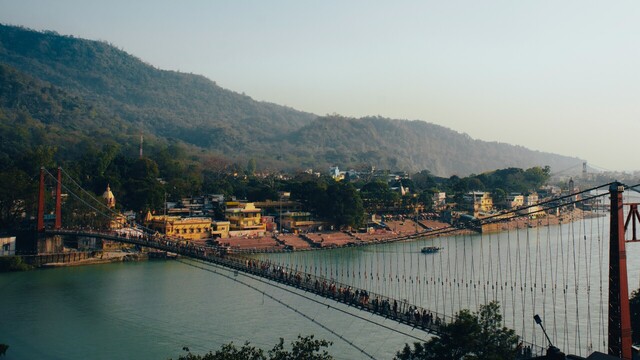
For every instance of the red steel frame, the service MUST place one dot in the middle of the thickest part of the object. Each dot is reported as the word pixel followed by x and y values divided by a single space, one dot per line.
pixel 58 210
pixel 619 314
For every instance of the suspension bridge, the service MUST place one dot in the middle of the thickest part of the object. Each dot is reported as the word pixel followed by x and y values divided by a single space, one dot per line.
pixel 558 258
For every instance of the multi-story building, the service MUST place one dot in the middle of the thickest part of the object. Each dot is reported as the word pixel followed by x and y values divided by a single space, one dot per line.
pixel 298 221
pixel 244 217
pixel 514 201
pixel 478 202
pixel 439 200
pixel 531 204
pixel 191 228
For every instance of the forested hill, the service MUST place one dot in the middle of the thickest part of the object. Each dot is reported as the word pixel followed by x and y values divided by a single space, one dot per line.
pixel 83 88
pixel 166 103
pixel 402 144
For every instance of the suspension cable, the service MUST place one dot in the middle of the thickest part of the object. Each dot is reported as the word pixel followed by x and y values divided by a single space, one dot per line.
pixel 208 268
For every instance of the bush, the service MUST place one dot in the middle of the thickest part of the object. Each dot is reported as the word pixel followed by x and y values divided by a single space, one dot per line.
pixel 3 349
pixel 13 263
pixel 303 348
pixel 469 336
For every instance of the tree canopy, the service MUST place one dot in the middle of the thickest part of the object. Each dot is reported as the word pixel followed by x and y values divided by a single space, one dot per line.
pixel 470 336
pixel 304 348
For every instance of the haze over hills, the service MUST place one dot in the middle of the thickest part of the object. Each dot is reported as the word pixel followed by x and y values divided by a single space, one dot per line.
pixel 82 89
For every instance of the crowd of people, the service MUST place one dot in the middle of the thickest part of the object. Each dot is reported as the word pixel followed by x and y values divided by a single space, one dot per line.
pixel 401 311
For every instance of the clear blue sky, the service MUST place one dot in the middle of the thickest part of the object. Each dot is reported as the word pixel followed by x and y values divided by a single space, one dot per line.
pixel 557 76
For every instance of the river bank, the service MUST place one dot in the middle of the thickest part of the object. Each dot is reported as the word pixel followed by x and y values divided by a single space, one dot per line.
pixel 102 257
pixel 67 259
pixel 395 230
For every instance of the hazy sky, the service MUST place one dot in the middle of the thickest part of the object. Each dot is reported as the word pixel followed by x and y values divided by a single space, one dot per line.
pixel 557 76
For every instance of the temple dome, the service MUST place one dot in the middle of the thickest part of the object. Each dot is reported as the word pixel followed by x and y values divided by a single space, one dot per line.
pixel 109 198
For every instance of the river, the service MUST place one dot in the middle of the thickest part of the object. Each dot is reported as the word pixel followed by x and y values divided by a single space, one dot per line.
pixel 151 310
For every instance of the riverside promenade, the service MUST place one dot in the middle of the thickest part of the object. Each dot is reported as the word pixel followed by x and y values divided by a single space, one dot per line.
pixel 396 230
pixel 401 229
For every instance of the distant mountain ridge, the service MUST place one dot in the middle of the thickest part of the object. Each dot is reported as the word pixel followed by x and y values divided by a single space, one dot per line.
pixel 125 94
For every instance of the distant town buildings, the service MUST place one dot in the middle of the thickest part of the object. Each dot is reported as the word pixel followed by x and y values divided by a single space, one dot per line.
pixel 478 202
pixel 191 218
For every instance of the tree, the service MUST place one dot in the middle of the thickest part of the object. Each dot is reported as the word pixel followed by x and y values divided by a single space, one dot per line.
pixel 537 176
pixel 499 196
pixel 142 189
pixel 424 180
pixel 17 196
pixel 377 195
pixel 469 336
pixel 494 341
pixel 305 348
pixel 344 205
pixel 475 184
pixel 251 166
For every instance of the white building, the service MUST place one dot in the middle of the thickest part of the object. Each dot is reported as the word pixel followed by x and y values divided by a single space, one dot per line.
pixel 515 200
pixel 531 205
pixel 8 246
pixel 439 199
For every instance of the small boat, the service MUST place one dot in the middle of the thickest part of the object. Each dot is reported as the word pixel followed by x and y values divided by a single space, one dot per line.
pixel 430 249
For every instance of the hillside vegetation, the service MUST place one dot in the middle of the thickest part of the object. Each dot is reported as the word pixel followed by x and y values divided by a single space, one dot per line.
pixel 62 90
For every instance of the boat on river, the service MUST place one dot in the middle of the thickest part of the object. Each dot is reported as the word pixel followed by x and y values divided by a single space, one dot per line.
pixel 430 249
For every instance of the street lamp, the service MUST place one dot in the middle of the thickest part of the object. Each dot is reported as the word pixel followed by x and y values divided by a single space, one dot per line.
pixel 280 215
pixel 416 211
pixel 283 194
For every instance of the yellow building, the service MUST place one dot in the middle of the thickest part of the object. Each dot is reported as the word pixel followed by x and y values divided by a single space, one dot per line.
pixel 190 228
pixel 243 218
pixel 220 229
pixel 481 202
pixel 298 221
